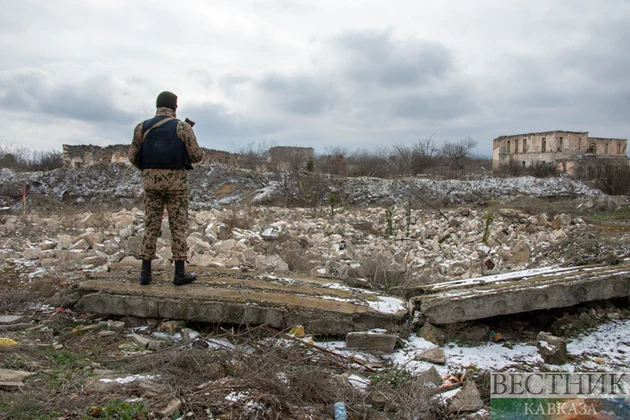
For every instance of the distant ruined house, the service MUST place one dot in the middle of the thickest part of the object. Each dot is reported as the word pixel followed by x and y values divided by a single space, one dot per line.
pixel 563 148
pixel 280 158
pixel 80 156
pixel 286 158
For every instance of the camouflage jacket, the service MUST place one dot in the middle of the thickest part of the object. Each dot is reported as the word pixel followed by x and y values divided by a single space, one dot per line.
pixel 166 179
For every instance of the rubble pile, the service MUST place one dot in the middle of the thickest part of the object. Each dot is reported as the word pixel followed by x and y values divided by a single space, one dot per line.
pixel 371 247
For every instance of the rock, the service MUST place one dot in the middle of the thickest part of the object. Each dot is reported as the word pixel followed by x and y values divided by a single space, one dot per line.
pixel 129 260
pixel 467 399
pixel 433 334
pixel 126 232
pixel 560 235
pixel 47 245
pixel 133 245
pixel 520 254
pixel 80 245
pixel 429 377
pixel 106 333
pixel 123 221
pixel 479 415
pixel 12 379
pixel 561 220
pixel 64 241
pixel 542 220
pixel 384 343
pixel 11 319
pixel 189 334
pixel 140 340
pixel 171 327
pixel 476 333
pixel 434 355
pixel 164 405
pixel 552 349
pixel 116 326
pixel 96 260
pixel 271 263
pixel 225 246
pixel 92 238
pixel 31 253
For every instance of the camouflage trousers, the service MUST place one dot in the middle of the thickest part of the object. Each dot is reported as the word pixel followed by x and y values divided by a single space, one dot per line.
pixel 176 203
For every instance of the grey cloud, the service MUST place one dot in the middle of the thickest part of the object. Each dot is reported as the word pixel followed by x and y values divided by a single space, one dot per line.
pixel 379 58
pixel 300 94
pixel 87 100
pixel 434 106
pixel 217 128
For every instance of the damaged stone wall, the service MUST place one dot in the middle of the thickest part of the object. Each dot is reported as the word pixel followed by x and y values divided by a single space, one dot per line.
pixel 87 155
pixel 80 156
pixel 563 148
pixel 286 158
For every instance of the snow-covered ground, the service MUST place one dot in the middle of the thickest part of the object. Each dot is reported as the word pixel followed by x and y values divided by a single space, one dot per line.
pixel 605 348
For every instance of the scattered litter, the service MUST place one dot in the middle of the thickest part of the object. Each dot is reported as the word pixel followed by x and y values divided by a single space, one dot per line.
pixel 7 342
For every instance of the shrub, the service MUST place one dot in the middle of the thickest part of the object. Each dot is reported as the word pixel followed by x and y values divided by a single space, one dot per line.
pixel 542 169
pixel 612 176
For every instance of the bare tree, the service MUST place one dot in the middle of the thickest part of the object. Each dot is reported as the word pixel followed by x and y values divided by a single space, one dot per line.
pixel 457 153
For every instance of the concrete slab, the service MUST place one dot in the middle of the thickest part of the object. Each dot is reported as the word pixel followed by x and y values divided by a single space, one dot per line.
pixel 232 297
pixel 11 319
pixel 522 291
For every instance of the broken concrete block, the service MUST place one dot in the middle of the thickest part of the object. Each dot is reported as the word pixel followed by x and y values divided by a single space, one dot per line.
pixel 11 319
pixel 117 326
pixel 434 355
pixel 31 253
pixel 552 349
pixel 81 245
pixel 47 245
pixel 371 341
pixel 140 340
pixel 164 405
pixel 467 399
pixel 12 379
pixel 429 377
pixel 520 254
pixel 433 334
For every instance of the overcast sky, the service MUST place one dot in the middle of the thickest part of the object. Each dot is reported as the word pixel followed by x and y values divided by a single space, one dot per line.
pixel 324 73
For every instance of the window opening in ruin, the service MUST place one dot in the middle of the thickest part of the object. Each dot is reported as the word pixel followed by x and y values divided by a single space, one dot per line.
pixel 618 148
pixel 515 146
pixel 524 145
pixel 560 144
pixel 77 165
pixel 579 143
pixel 544 145
pixel 509 147
pixel 523 164
pixel 606 148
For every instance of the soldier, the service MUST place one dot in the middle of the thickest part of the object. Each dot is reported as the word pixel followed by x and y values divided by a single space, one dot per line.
pixel 164 148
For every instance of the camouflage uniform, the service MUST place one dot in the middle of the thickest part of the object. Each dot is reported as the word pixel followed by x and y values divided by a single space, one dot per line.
pixel 165 188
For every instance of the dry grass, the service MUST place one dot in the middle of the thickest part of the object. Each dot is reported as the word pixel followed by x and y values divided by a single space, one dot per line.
pixel 234 217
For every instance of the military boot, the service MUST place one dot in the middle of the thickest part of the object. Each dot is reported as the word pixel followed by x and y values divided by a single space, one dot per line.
pixel 181 276
pixel 145 274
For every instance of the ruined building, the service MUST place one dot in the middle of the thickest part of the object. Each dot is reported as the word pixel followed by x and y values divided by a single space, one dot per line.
pixel 280 158
pixel 290 158
pixel 564 148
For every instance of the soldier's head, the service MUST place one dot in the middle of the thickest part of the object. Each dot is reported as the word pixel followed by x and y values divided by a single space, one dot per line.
pixel 166 99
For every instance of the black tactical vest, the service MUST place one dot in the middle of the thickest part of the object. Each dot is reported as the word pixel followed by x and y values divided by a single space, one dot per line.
pixel 162 148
